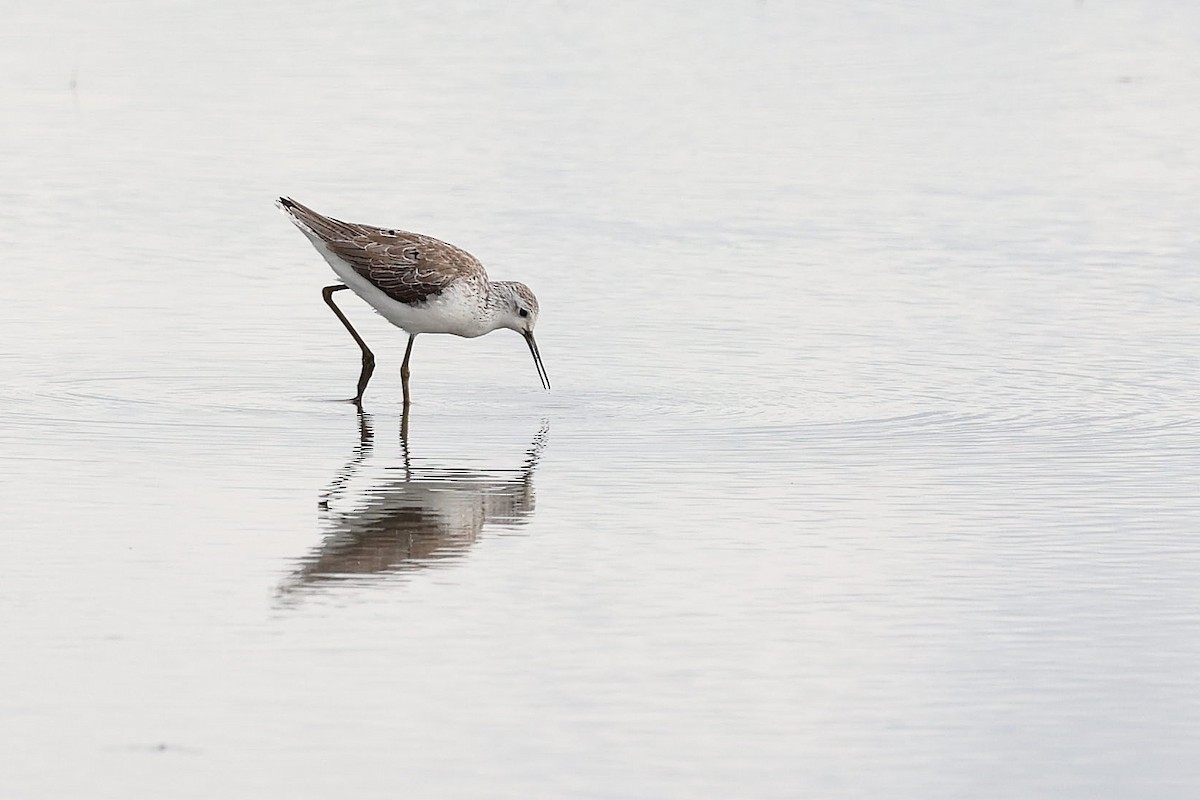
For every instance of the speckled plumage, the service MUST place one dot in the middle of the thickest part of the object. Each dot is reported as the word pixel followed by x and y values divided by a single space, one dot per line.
pixel 416 282
pixel 407 267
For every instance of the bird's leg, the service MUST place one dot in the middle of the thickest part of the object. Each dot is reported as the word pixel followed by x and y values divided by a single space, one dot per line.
pixel 412 337
pixel 368 358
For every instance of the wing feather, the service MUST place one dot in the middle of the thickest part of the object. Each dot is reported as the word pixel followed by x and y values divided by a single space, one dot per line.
pixel 408 267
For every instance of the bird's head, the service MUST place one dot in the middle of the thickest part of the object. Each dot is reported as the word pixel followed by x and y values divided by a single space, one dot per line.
pixel 519 312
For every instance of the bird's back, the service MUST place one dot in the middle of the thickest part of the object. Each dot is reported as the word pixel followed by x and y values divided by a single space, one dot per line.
pixel 408 267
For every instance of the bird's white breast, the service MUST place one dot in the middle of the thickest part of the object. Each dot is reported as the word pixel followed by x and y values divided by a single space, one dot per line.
pixel 459 309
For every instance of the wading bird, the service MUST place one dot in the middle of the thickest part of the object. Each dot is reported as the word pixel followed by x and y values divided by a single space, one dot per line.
pixel 417 283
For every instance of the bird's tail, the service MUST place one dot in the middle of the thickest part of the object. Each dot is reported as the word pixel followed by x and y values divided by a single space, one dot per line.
pixel 317 224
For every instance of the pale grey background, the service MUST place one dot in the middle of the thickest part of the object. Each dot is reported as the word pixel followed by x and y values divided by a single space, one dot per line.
pixel 870 466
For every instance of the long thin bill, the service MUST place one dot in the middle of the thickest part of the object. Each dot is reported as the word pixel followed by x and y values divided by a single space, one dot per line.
pixel 537 360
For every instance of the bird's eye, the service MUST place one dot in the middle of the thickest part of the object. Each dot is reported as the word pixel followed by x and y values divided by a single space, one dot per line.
pixel 523 313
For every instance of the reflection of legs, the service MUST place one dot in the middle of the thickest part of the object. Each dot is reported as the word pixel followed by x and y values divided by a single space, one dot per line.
pixel 338 484
pixel 368 358
pixel 412 337
pixel 365 434
pixel 404 443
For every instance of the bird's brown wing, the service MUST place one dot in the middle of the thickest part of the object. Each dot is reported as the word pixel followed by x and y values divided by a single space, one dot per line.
pixel 408 267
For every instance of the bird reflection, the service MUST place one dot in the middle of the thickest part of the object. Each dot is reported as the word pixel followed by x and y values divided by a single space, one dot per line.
pixel 409 516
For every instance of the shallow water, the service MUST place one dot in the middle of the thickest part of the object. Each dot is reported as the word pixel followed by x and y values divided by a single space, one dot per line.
pixel 870 467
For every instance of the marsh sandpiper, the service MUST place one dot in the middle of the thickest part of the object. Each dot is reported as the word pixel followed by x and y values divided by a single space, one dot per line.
pixel 417 283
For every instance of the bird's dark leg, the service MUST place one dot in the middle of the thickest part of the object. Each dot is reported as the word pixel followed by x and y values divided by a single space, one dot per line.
pixel 368 358
pixel 412 337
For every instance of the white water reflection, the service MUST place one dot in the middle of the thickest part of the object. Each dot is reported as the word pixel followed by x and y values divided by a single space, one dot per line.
pixel 381 519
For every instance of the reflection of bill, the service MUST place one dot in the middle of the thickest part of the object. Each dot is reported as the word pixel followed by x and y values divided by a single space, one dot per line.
pixel 410 517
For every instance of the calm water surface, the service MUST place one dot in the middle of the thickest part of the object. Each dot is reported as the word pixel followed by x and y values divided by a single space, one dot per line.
pixel 870 468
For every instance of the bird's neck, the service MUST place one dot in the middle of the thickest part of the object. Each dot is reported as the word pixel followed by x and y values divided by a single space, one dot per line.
pixel 498 300
pixel 490 315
